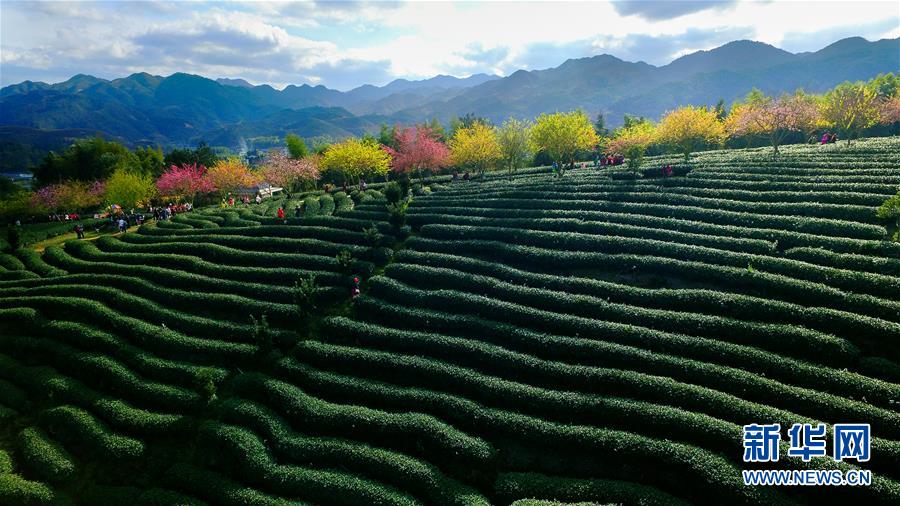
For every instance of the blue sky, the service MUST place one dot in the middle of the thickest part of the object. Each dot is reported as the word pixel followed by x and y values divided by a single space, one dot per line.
pixel 346 44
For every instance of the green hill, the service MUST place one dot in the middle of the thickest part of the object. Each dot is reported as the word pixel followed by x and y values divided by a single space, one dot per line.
pixel 590 338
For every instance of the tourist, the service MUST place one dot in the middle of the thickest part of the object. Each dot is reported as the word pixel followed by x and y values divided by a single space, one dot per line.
pixel 79 231
pixel 832 139
pixel 123 226
pixel 258 198
pixel 455 176
pixel 362 185
pixel 280 213
pixel 466 176
pixel 297 211
pixel 825 138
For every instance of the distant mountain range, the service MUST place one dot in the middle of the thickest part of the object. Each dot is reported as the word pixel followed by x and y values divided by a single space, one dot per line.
pixel 183 108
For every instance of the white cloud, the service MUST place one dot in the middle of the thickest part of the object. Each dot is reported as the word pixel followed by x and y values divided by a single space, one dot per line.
pixel 345 44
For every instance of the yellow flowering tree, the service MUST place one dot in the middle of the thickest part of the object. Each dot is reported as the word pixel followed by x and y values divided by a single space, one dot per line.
pixel 514 146
pixel 850 108
pixel 475 146
pixel 562 135
pixel 129 189
pixel 689 128
pixel 356 158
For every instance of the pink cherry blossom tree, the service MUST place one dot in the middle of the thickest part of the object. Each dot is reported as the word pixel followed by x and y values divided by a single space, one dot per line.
pixel 185 181
pixel 281 170
pixel 889 110
pixel 774 118
pixel 69 196
pixel 417 149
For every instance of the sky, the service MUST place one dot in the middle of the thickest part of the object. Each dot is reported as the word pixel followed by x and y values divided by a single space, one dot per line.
pixel 343 45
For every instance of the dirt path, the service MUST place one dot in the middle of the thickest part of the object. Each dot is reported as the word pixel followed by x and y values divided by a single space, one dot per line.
pixel 89 235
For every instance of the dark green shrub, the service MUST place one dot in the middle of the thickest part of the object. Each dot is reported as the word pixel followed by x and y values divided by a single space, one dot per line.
pixel 345 262
pixel 262 335
pixel 13 237
pixel 397 212
pixel 304 295
pixel 393 192
pixel 16 490
pixel 44 456
pixel 205 384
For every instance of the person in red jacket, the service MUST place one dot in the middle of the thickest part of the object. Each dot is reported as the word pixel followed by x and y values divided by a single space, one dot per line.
pixel 280 213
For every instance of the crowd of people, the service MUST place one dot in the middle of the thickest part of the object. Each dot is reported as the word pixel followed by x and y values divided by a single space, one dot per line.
pixel 162 213
pixel 612 160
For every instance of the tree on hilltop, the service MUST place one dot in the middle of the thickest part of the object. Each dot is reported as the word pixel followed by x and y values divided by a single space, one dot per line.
pixel 475 147
pixel 280 170
pixel 515 150
pixel 417 149
pixel 689 128
pixel 774 118
pixel 230 174
pixel 355 158
pixel 849 108
pixel 562 135
pixel 128 189
pixel 296 147
pixel 184 181
pixel 632 142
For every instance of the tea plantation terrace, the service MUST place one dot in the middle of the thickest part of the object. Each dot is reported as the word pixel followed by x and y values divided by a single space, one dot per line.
pixel 593 337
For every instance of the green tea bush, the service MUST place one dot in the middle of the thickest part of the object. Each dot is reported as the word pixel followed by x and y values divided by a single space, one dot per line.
pixel 423 435
pixel 217 489
pixel 403 472
pixel 326 205
pixel 17 490
pixel 493 360
pixel 849 325
pixel 246 454
pixel 49 461
pixel 510 486
pixel 78 427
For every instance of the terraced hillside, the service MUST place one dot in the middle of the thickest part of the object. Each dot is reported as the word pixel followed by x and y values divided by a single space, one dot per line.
pixel 587 338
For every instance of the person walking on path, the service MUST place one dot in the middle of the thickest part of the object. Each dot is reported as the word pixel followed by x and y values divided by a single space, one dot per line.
pixel 280 213
pixel 297 211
